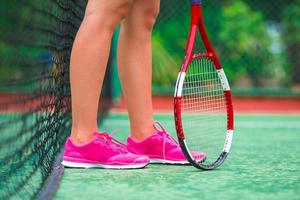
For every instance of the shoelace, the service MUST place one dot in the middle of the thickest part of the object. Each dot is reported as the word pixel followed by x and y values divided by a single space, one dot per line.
pixel 111 142
pixel 166 136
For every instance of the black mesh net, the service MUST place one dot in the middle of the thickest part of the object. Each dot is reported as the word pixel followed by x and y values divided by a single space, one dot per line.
pixel 36 37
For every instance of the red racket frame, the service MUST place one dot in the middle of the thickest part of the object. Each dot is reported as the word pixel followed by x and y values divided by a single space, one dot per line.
pixel 197 23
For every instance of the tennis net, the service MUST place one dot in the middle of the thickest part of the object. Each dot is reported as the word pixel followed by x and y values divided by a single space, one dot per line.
pixel 36 37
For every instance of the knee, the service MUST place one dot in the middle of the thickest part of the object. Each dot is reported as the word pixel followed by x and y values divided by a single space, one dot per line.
pixel 149 16
pixel 107 18
pixel 144 18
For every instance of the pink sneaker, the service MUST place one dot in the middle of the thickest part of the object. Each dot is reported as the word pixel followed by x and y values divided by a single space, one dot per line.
pixel 102 152
pixel 161 147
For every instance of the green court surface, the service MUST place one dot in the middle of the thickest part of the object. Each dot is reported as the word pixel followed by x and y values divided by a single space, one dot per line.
pixel 264 164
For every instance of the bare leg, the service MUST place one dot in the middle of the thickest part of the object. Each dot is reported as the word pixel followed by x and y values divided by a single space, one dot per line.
pixel 88 63
pixel 135 65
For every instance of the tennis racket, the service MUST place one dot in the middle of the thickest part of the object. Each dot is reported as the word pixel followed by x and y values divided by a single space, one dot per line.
pixel 202 103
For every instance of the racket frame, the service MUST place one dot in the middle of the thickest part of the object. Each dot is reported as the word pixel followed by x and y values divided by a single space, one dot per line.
pixel 197 23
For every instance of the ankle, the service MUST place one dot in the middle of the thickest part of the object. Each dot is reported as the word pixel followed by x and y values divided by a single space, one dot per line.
pixel 140 135
pixel 81 137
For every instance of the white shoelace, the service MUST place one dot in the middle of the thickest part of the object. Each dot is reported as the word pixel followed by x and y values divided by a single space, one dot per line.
pixel 166 136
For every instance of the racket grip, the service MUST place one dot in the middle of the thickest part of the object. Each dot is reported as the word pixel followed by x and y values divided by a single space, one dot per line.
pixel 196 2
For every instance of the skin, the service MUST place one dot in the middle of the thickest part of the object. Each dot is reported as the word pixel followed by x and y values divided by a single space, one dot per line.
pixel 90 56
pixel 135 65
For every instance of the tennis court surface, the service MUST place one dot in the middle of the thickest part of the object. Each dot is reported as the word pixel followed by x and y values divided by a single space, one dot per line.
pixel 258 45
pixel 264 164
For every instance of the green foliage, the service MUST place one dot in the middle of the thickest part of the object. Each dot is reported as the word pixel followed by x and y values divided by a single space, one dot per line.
pixel 244 42
pixel 271 10
pixel 169 40
pixel 238 34
pixel 165 64
pixel 291 38
pixel 14 57
pixel 237 28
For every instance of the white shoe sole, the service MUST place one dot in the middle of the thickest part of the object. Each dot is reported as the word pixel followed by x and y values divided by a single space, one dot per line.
pixel 162 161
pixel 87 165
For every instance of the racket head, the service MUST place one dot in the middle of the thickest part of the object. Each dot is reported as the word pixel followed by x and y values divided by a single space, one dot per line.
pixel 203 112
pixel 203 109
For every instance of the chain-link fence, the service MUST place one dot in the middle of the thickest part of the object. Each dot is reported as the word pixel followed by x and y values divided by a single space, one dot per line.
pixel 258 43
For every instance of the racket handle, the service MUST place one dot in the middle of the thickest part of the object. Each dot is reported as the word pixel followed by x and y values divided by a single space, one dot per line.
pixel 196 2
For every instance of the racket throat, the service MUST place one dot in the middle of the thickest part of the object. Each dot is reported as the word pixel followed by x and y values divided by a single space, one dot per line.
pixel 197 20
pixel 195 14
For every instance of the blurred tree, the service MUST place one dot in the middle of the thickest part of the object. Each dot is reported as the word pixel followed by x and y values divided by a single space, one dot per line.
pixel 237 29
pixel 170 37
pixel 271 10
pixel 169 40
pixel 244 42
pixel 238 33
pixel 291 38
pixel 15 57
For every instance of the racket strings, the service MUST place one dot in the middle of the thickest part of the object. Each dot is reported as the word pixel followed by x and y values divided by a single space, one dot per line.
pixel 204 109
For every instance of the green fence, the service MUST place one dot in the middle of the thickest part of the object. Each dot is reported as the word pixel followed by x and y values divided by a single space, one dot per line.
pixel 257 41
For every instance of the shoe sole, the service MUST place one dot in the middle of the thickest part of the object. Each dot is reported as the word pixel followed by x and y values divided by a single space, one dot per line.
pixel 103 166
pixel 172 162
pixel 162 161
